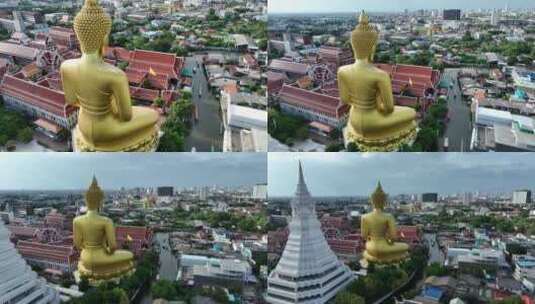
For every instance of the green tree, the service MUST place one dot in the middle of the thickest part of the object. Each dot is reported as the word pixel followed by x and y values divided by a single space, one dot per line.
pixel 352 147
pixel 436 269
pixel 158 102
pixel 25 135
pixel 84 286
pixel 345 297
pixel 164 289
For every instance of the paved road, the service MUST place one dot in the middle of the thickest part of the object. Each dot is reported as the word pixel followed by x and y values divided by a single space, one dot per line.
pixel 206 134
pixel 168 261
pixel 459 129
pixel 435 255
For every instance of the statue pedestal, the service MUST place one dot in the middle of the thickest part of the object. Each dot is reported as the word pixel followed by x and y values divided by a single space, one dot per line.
pixel 392 144
pixel 147 144
pixel 92 282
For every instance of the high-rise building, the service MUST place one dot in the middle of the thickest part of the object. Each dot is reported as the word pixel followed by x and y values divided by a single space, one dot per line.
pixel 260 191
pixel 165 191
pixel 522 197
pixel 18 283
pixel 451 14
pixel 429 197
pixel 308 271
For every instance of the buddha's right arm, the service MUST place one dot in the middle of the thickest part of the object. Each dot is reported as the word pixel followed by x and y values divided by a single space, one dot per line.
pixel 68 88
pixel 342 88
pixel 110 237
pixel 121 92
pixel 386 98
pixel 77 237
pixel 363 229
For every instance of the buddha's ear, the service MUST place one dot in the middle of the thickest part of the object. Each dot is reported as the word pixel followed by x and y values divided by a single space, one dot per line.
pixel 105 43
pixel 372 54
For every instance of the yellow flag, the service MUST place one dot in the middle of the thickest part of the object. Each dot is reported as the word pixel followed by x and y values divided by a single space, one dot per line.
pixel 129 238
pixel 151 71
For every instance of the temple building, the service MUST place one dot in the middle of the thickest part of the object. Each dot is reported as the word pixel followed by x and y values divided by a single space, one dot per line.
pixel 136 239
pixel 152 74
pixel 414 86
pixel 54 259
pixel 18 283
pixel 335 57
pixel 308 271
pixel 38 101
pixel 326 111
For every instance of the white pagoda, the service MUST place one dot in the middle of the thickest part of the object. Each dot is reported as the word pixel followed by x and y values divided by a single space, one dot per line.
pixel 308 271
pixel 18 283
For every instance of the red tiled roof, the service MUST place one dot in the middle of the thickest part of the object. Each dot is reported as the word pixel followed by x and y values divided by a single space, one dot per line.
pixel 16 50
pixel 47 99
pixel 23 231
pixel 160 63
pixel 410 234
pixel 169 96
pixel 249 59
pixel 410 78
pixel 159 81
pixel 290 67
pixel 144 94
pixel 135 232
pixel 135 76
pixel 316 102
pixel 118 53
pixel 30 70
pixel 45 251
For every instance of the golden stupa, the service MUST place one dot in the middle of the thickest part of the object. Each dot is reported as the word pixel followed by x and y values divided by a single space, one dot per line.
pixel 107 121
pixel 375 123
pixel 94 236
pixel 379 230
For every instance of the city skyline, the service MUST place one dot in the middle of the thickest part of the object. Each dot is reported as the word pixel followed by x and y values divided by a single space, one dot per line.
pixel 337 6
pixel 334 174
pixel 66 171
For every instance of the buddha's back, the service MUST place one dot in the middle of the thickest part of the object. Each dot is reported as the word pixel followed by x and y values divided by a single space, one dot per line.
pixel 92 228
pixel 362 81
pixel 377 224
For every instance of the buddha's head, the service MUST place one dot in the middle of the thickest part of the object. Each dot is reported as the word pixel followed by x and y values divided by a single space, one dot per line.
pixel 379 197
pixel 364 38
pixel 94 196
pixel 92 26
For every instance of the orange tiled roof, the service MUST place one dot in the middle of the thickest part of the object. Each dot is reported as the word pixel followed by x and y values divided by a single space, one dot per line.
pixel 317 102
pixel 45 98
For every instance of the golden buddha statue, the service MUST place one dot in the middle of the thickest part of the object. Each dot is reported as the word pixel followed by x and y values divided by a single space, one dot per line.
pixel 379 231
pixel 107 121
pixel 375 124
pixel 94 236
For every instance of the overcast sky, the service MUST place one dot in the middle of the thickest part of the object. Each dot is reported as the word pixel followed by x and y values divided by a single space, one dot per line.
pixel 61 171
pixel 322 6
pixel 344 174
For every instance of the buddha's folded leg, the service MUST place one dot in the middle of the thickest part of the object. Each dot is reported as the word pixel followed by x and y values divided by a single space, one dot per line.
pixel 144 117
pixel 403 114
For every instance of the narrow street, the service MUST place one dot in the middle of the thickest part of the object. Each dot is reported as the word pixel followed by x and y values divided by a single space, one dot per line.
pixel 205 135
pixel 168 268
pixel 459 128
pixel 435 255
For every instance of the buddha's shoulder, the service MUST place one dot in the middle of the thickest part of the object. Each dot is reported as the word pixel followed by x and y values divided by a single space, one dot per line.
pixel 344 70
pixel 111 70
pixel 70 64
